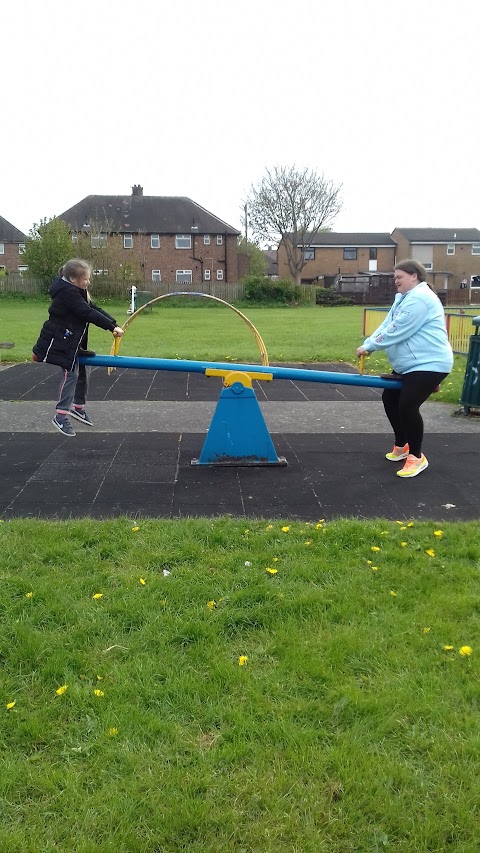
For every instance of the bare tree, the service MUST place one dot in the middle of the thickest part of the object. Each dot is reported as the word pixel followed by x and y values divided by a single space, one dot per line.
pixel 290 206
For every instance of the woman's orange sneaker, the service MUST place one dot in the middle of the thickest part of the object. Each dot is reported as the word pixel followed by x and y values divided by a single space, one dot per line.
pixel 413 466
pixel 397 453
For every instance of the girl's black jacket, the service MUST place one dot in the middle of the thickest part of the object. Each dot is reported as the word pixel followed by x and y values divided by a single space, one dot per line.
pixel 67 327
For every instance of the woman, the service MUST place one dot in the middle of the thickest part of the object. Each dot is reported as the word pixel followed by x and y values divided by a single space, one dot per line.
pixel 415 338
pixel 63 335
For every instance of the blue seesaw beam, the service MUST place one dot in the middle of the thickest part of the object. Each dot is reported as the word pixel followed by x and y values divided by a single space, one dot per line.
pixel 294 373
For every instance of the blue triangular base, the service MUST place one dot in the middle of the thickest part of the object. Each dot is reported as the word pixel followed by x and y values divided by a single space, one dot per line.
pixel 238 434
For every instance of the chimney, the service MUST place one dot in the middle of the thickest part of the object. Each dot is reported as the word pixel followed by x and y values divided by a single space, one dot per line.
pixel 137 189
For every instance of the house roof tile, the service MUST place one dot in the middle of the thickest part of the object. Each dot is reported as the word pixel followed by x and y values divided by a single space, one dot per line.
pixel 335 238
pixel 440 235
pixel 148 214
pixel 10 234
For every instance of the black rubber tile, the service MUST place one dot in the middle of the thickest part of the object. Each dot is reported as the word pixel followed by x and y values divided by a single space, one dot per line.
pixel 147 500
pixel 53 500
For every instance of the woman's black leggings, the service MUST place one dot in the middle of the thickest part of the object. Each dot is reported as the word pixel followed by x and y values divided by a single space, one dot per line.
pixel 402 407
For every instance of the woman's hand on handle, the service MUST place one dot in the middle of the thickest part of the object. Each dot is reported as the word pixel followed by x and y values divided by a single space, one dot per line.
pixel 117 332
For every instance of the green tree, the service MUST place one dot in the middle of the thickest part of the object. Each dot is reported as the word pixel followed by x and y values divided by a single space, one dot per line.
pixel 48 246
pixel 291 206
pixel 257 259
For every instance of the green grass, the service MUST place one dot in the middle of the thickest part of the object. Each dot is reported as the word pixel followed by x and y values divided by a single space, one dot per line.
pixel 300 334
pixel 350 728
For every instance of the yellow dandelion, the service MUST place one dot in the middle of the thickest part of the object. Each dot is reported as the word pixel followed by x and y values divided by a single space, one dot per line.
pixel 61 690
pixel 321 521
pixel 399 522
pixel 271 571
pixel 374 568
pixel 99 677
pixel 448 648
pixel 369 562
pixel 97 595
pixel 438 533
pixel 242 661
pixel 113 731
pixel 375 548
pixel 29 595
pixel 275 559
pixel 393 593
pixel 10 705
pixel 142 581
pixel 211 604
pixel 135 529
pixel 384 533
pixel 430 552
pixel 269 527
pixel 308 542
pixel 411 524
pixel 465 651
pixel 285 529
pixel 99 693
pixel 427 630
pixel 319 526
pixel 403 544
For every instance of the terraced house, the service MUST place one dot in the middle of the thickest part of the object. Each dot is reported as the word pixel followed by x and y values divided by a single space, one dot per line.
pixel 12 246
pixel 154 238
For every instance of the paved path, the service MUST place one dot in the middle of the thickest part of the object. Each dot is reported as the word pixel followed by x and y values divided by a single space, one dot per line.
pixel 149 425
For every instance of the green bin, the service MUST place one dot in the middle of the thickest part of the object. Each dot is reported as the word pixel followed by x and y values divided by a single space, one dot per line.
pixel 470 398
pixel 141 298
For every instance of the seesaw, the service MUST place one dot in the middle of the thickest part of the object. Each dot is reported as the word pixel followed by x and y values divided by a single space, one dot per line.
pixel 238 434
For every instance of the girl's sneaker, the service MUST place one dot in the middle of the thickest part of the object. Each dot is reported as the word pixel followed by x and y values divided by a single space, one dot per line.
pixel 63 425
pixel 81 415
pixel 413 466
pixel 397 453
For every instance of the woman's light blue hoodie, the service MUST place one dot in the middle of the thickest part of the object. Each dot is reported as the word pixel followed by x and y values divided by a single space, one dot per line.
pixel 414 333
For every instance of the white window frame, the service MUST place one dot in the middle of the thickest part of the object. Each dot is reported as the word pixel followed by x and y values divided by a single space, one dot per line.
pixel 219 275
pixel 2 248
pixel 154 241
pixel 219 239
pixel 74 238
pixel 180 277
pixel 22 268
pixel 475 248
pixel 21 248
pixel 156 275
pixel 99 272
pixel 207 275
pixel 187 239
pixel 450 248
pixel 128 240
pixel 206 239
pixel 428 265
pixel 98 241
pixel 309 254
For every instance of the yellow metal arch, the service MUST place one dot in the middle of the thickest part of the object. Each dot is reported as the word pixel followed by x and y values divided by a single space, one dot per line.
pixel 263 351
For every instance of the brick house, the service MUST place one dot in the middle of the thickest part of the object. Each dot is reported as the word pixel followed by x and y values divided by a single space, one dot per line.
pixel 12 246
pixel 155 238
pixel 451 255
pixel 331 254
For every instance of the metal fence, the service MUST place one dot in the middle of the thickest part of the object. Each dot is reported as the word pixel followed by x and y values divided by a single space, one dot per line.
pixel 459 326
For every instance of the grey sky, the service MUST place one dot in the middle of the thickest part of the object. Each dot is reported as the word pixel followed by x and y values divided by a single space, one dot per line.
pixel 198 98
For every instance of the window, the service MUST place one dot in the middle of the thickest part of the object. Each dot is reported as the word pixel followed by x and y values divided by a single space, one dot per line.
pixel 428 265
pixel 154 241
pixel 451 249
pixel 349 254
pixel 100 272
pixel 128 241
pixel 219 275
pixel 475 248
pixel 372 254
pixel 21 248
pixel 183 241
pixel 206 239
pixel 183 277
pixel 2 248
pixel 22 269
pixel 98 241
pixel 475 281
pixel 156 275
pixel 309 254
pixel 74 238
pixel 219 239
pixel 207 275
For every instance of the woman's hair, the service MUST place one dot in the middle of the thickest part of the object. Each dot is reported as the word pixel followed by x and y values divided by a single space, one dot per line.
pixel 412 267
pixel 74 268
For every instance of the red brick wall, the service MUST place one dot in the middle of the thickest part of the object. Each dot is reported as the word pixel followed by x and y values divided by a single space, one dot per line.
pixel 328 261
pixel 11 259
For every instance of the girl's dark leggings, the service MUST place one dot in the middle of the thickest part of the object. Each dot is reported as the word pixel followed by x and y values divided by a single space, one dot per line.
pixel 402 407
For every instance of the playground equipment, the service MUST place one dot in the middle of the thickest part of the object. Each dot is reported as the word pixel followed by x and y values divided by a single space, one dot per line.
pixel 238 434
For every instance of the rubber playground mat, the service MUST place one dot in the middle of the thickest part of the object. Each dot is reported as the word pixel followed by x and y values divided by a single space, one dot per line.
pixel 149 474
